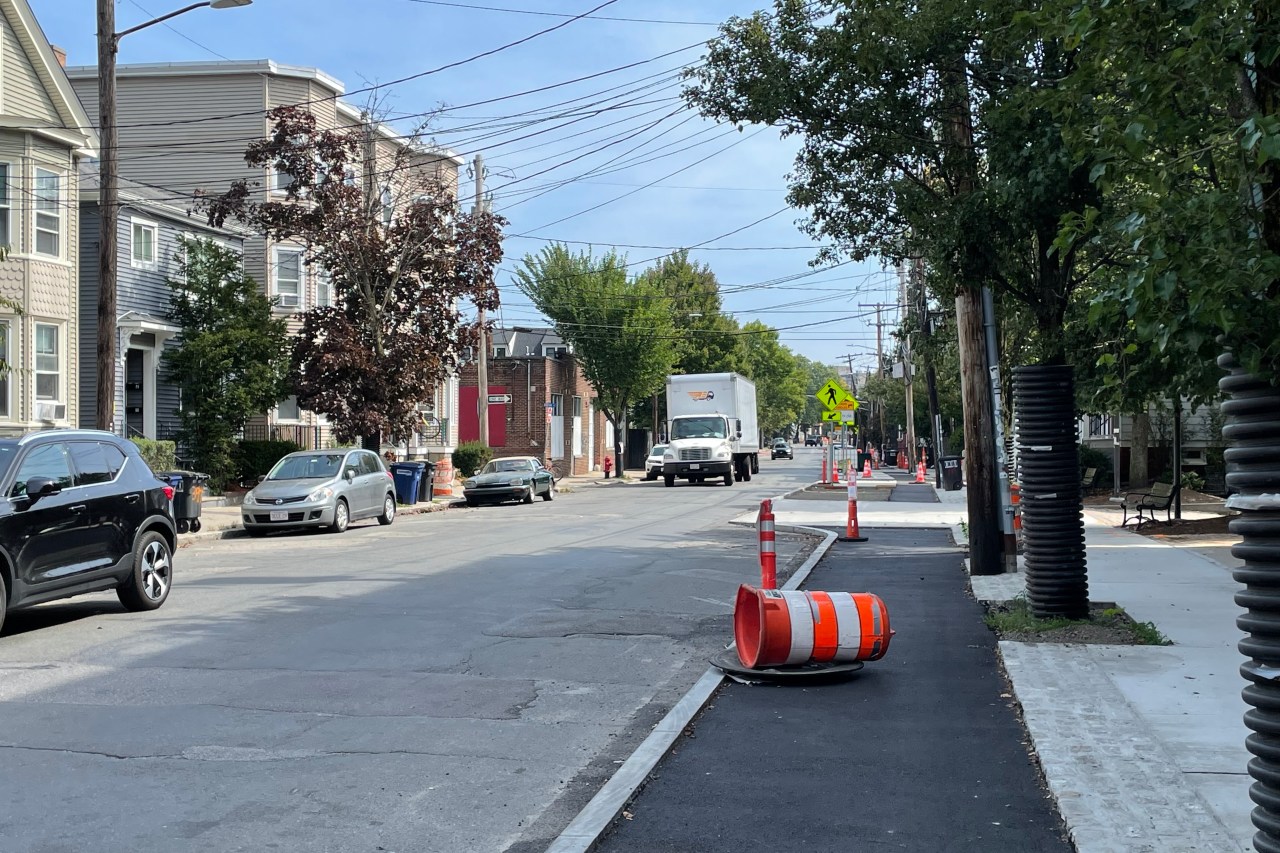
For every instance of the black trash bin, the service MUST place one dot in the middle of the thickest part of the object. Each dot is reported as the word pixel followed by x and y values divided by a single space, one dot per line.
pixel 408 477
pixel 428 482
pixel 891 457
pixel 952 473
pixel 188 495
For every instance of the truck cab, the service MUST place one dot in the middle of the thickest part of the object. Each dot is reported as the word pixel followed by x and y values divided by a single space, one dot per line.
pixel 700 447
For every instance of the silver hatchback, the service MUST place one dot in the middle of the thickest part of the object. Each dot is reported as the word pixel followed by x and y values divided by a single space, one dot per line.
pixel 321 488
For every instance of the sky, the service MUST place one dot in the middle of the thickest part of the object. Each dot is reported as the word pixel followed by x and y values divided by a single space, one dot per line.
pixel 613 161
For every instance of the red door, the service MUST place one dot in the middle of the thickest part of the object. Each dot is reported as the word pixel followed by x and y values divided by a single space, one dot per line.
pixel 469 415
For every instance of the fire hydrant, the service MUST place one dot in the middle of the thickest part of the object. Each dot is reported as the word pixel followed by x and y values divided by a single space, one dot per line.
pixel 608 466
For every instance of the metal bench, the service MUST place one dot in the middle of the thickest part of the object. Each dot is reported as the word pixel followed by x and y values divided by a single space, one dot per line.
pixel 1142 507
pixel 1088 480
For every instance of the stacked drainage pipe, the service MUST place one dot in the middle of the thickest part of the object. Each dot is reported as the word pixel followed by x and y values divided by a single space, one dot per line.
pixel 1052 513
pixel 1252 431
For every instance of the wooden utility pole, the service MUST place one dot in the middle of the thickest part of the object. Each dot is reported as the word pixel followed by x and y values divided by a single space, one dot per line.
pixel 482 349
pixel 878 307
pixel 986 544
pixel 109 212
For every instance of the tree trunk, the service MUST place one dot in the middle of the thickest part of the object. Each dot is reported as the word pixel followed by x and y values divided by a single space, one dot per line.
pixel 986 545
pixel 1139 450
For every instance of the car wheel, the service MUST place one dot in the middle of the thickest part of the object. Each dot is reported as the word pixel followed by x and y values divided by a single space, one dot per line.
pixel 4 602
pixel 472 503
pixel 148 584
pixel 388 510
pixel 651 476
pixel 528 496
pixel 341 517
pixel 669 480
pixel 550 495
pixel 728 478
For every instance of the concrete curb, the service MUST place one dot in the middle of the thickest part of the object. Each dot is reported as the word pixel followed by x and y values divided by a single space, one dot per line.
pixel 584 830
pixel 239 532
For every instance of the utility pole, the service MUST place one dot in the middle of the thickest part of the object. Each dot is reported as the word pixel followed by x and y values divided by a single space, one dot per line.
pixel 109 212
pixel 878 307
pixel 985 545
pixel 930 375
pixel 482 363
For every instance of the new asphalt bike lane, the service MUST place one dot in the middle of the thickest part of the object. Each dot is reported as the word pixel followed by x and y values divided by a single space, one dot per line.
pixel 922 751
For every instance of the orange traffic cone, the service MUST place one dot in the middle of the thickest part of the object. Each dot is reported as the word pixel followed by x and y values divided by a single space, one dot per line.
pixel 920 472
pixel 835 473
pixel 866 469
pixel 851 532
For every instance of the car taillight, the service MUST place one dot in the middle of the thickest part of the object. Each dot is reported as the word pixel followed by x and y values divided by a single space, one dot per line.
pixel 168 493
pixel 392 476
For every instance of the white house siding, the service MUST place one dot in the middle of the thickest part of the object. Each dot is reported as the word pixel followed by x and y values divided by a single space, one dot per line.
pixel 22 92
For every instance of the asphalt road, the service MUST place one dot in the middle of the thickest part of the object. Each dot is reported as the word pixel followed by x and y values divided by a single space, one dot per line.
pixel 461 681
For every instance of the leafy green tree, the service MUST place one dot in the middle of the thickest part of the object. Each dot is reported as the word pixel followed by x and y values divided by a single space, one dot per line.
pixel 779 378
pixel 709 340
pixel 1179 106
pixel 234 357
pixel 621 329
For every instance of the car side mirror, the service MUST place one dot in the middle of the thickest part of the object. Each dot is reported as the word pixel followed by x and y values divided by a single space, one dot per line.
pixel 42 487
pixel 349 474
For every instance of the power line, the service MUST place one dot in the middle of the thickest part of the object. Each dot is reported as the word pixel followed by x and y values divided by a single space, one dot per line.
pixel 564 15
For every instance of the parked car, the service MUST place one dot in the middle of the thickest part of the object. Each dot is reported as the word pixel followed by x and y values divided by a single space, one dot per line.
pixel 810 441
pixel 653 462
pixel 781 450
pixel 509 478
pixel 81 512
pixel 321 488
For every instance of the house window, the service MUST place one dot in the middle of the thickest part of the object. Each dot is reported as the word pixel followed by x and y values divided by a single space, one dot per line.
pixel 288 277
pixel 143 243
pixel 388 206
pixel 4 205
pixel 48 212
pixel 324 288
pixel 499 352
pixel 288 409
pixel 8 364
pixel 180 257
pixel 577 407
pixel 280 180
pixel 48 362
pixel 550 350
pixel 557 405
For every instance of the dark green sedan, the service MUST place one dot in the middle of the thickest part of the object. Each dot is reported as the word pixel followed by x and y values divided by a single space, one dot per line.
pixel 509 478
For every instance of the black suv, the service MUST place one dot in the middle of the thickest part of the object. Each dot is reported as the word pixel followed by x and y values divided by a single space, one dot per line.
pixel 80 512
pixel 780 450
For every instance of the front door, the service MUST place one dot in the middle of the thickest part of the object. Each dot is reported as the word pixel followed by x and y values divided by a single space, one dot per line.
pixel 135 394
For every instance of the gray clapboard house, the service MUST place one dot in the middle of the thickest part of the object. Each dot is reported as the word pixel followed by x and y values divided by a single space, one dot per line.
pixel 149 232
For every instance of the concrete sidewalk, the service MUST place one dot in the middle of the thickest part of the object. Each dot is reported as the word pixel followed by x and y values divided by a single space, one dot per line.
pixel 1142 746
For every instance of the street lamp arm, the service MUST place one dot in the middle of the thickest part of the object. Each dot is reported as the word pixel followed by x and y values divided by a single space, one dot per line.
pixel 162 18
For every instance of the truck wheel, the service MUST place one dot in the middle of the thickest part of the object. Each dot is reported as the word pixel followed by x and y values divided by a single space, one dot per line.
pixel 746 473
pixel 728 478
pixel 755 464
pixel 669 479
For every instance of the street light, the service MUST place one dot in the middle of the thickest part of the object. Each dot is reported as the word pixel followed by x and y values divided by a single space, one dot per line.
pixel 109 194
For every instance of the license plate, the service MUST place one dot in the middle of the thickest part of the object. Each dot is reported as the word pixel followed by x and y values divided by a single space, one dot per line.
pixel 694 467
pixel 279 515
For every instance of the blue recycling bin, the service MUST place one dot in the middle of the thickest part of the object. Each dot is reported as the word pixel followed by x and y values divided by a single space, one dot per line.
pixel 408 477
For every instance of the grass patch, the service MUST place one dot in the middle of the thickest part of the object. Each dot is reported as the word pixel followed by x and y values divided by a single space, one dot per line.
pixel 1107 623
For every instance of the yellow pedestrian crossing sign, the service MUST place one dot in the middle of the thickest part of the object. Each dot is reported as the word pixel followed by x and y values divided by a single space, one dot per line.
pixel 833 396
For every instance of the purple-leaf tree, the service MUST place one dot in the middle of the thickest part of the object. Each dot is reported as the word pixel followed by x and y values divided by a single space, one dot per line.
pixel 383 223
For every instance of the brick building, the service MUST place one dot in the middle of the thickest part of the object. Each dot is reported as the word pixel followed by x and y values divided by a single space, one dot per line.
pixel 542 404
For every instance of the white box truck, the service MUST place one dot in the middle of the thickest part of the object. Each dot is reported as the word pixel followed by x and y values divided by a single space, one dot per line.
pixel 711 429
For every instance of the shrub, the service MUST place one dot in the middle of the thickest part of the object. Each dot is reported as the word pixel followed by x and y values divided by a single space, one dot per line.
pixel 159 455
pixel 1192 481
pixel 471 456
pixel 255 458
pixel 1093 458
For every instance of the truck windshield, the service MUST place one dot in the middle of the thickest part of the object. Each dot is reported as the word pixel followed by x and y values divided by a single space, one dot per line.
pixel 698 428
